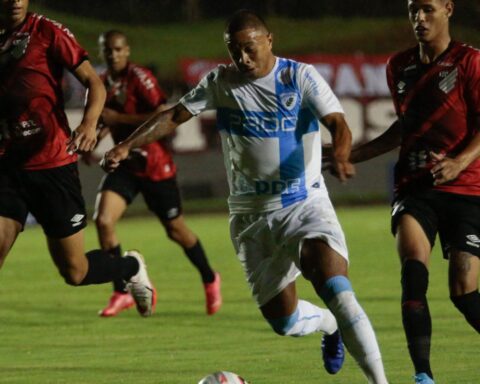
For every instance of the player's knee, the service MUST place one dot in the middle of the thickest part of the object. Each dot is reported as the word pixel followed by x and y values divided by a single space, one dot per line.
pixel 318 261
pixel 414 280
pixel 104 221
pixel 173 234
pixel 72 276
pixel 177 235
pixel 282 325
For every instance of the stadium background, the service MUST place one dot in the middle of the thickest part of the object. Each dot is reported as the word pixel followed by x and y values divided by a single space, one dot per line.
pixel 181 40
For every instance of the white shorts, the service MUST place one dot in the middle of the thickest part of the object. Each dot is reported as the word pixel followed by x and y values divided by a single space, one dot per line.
pixel 268 244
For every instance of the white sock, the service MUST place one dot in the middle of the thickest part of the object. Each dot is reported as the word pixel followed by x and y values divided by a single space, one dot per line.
pixel 312 319
pixel 358 335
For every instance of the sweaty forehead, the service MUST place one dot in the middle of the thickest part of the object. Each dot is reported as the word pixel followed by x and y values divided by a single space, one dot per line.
pixel 244 36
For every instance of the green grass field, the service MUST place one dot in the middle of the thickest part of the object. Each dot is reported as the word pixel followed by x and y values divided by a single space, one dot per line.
pixel 50 332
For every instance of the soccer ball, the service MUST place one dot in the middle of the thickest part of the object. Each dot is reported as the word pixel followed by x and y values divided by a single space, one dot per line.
pixel 222 377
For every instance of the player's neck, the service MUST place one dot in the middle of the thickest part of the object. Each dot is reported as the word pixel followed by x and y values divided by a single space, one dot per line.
pixel 430 51
pixel 116 74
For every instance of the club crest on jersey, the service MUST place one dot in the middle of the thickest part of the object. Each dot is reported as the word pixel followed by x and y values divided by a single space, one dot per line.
pixel 401 87
pixel 289 100
pixel 285 76
pixel 449 80
pixel 20 45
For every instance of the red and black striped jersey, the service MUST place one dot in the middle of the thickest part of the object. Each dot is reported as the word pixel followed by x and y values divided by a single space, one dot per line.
pixel 33 125
pixel 438 105
pixel 136 91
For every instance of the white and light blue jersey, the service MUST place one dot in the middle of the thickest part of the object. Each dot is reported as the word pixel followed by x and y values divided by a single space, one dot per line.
pixel 269 130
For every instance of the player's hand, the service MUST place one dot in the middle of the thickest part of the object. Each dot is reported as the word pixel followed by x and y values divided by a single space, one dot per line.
pixel 109 117
pixel 82 139
pixel 338 167
pixel 111 159
pixel 342 169
pixel 445 169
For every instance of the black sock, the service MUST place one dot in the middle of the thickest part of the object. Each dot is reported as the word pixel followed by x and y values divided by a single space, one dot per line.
pixel 417 322
pixel 198 258
pixel 469 305
pixel 102 267
pixel 115 251
pixel 119 285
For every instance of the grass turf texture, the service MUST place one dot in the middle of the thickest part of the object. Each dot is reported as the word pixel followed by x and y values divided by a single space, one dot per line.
pixel 50 332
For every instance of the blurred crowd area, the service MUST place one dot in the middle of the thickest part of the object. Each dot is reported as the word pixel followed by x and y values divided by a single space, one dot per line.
pixel 150 11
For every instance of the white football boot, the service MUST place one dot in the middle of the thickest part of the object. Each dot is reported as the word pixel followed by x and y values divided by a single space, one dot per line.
pixel 140 287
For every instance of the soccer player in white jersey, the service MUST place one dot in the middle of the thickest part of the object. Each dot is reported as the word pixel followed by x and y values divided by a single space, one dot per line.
pixel 281 218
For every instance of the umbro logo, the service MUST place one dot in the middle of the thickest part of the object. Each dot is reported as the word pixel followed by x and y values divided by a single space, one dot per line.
pixel 401 87
pixel 398 207
pixel 473 240
pixel 77 220
pixel 172 213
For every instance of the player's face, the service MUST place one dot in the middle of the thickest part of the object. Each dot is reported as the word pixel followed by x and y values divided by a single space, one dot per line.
pixel 430 19
pixel 14 12
pixel 116 52
pixel 251 52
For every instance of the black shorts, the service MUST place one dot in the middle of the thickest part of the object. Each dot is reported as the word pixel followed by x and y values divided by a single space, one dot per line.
pixel 53 196
pixel 455 217
pixel 162 197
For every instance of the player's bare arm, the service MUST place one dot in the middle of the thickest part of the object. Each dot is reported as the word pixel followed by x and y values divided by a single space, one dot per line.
pixel 91 158
pixel 157 127
pixel 384 143
pixel 111 118
pixel 84 136
pixel 341 166
pixel 448 168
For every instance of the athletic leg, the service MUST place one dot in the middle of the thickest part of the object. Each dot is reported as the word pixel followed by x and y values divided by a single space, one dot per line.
pixel 96 267
pixel 180 233
pixel 327 271
pixel 109 208
pixel 289 316
pixel 414 249
pixel 9 230
pixel 463 283
pixel 163 199
pixel 271 274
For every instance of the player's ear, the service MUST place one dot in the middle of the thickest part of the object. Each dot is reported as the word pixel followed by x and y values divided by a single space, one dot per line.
pixel 449 8
pixel 128 51
pixel 270 39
